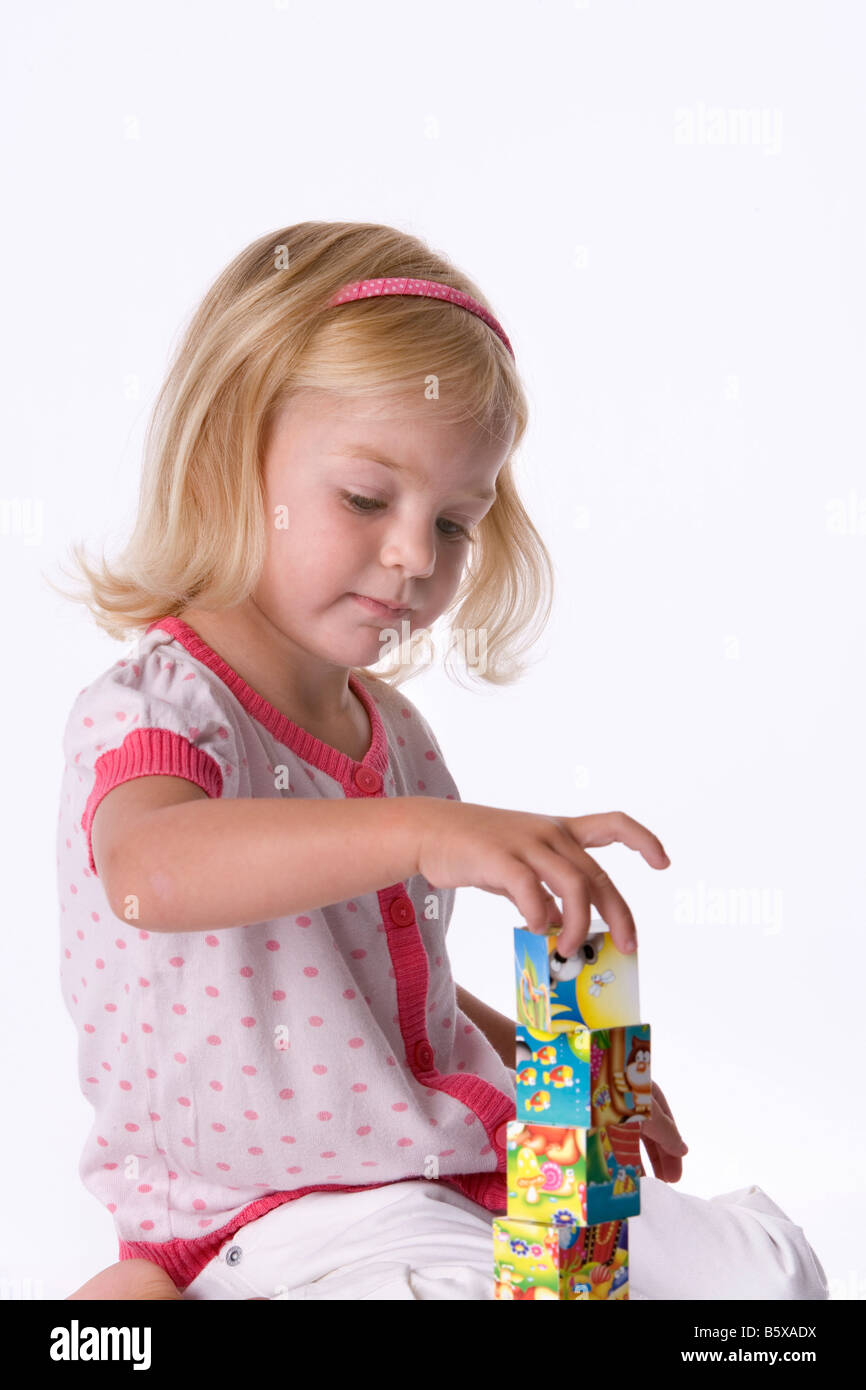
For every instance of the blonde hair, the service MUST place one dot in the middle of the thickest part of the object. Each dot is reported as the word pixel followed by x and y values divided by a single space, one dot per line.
pixel 262 334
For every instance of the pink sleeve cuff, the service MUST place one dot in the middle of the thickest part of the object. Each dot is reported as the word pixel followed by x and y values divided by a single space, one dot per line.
pixel 149 753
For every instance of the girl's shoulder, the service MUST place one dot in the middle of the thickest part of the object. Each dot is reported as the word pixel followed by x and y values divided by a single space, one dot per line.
pixel 389 697
pixel 156 686
pixel 397 710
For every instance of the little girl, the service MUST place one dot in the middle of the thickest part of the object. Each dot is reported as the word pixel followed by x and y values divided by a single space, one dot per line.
pixel 259 839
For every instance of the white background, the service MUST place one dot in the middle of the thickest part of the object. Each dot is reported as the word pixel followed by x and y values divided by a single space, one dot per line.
pixel 688 317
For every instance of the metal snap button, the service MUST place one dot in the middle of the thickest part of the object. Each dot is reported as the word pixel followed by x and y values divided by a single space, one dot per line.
pixel 233 1255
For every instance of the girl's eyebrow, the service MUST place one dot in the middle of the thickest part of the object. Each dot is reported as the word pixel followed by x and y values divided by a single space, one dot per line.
pixel 364 451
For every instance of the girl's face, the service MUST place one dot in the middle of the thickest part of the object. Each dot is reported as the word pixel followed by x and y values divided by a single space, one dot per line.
pixel 342 523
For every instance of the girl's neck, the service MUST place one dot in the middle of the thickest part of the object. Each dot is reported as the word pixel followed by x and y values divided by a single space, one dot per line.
pixel 253 648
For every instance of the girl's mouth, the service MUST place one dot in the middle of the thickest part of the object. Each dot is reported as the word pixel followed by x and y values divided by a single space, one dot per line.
pixel 374 606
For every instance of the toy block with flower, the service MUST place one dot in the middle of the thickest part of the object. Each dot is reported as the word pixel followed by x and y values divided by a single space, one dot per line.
pixel 566 1262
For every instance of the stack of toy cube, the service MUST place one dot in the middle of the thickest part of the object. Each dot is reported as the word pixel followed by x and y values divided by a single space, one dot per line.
pixel 573 1149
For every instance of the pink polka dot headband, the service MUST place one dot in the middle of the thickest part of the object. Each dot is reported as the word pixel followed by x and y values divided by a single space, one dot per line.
pixel 365 289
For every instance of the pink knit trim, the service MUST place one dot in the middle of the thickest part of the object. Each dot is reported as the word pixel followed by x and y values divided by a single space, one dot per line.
pixel 489 1189
pixel 150 753
pixel 329 760
pixel 411 974
pixel 184 1260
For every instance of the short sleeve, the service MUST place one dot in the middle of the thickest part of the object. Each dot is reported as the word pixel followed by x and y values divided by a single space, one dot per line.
pixel 157 714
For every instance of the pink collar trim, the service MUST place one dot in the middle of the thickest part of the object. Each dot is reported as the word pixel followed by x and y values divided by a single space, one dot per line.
pixel 321 755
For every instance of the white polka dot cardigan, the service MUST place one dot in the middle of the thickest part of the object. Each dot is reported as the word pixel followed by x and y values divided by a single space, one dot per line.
pixel 233 1070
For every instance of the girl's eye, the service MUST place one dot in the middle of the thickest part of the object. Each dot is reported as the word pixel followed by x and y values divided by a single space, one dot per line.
pixel 371 504
pixel 374 501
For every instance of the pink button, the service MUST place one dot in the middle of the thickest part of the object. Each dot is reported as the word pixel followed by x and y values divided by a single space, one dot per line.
pixel 423 1054
pixel 500 1137
pixel 368 780
pixel 402 912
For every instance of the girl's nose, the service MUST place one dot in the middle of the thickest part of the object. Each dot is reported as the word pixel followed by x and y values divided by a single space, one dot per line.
pixel 410 548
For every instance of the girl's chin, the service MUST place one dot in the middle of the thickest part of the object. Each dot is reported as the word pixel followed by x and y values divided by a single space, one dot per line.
pixel 375 642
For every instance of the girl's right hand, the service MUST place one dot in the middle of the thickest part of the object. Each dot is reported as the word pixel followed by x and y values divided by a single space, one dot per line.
pixel 515 853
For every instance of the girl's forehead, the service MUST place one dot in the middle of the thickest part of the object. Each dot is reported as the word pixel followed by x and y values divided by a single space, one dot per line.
pixel 367 423
pixel 398 406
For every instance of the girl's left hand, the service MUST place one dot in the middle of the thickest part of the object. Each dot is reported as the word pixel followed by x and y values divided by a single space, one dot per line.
pixel 662 1139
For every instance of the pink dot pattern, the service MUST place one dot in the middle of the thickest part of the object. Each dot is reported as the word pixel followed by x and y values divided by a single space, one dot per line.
pixel 232 1070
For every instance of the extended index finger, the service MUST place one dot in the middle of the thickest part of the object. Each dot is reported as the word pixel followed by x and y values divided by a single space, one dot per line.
pixel 615 827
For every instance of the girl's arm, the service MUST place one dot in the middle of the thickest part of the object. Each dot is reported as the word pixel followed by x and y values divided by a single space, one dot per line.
pixel 201 864
pixel 497 1028
pixel 128 1279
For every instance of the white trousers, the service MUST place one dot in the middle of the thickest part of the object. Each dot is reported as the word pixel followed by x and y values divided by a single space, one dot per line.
pixel 423 1240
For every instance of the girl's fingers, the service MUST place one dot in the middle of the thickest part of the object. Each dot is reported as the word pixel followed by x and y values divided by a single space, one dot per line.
pixel 661 1128
pixel 615 827
pixel 532 900
pixel 570 835
pixel 554 912
pixel 660 1100
pixel 575 892
pixel 667 1167
pixel 654 1155
pixel 579 882
pixel 661 1125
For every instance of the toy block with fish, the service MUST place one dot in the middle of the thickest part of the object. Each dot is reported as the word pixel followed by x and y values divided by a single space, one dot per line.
pixel 589 1077
pixel 564 1261
pixel 560 1174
